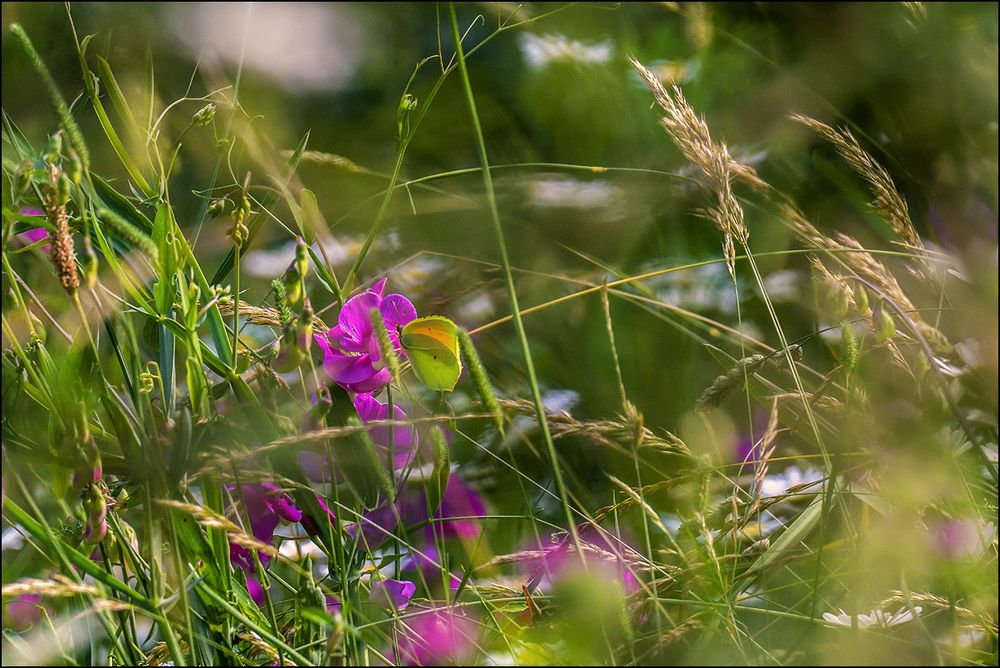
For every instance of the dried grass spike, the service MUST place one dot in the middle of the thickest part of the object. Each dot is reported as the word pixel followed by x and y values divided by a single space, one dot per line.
pixel 479 378
pixel 62 254
pixel 888 202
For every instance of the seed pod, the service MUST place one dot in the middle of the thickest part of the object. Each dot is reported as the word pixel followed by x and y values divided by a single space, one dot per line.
pixel 840 299
pixel 97 515
pixel 294 289
pixel 302 257
pixel 304 328
pixel 54 148
pixel 885 326
pixel 204 116
pixel 89 263
pixel 75 167
pixel 861 300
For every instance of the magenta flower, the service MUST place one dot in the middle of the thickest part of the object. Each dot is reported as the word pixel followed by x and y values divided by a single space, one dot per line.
pixel 370 409
pixel 392 593
pixel 428 562
pixel 437 637
pixel 267 506
pixel 351 354
pixel 23 612
pixel 35 234
pixel 606 557
pixel 962 538
pixel 456 518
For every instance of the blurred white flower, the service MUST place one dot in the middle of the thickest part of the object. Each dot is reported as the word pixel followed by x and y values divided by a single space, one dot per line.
pixel 13 537
pixel 415 275
pixel 784 285
pixel 602 200
pixel 475 309
pixel 699 289
pixel 560 400
pixel 541 50
pixel 299 45
pixel 875 618
pixel 272 263
pixel 298 549
pixel 779 483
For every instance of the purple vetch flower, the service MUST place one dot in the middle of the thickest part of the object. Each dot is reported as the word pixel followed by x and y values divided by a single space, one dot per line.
pixel 455 518
pixel 22 612
pixel 394 593
pixel 266 506
pixel 377 525
pixel 962 538
pixel 333 605
pixel 428 563
pixel 371 409
pixel 459 512
pixel 606 557
pixel 436 637
pixel 351 355
pixel 34 234
pixel 307 521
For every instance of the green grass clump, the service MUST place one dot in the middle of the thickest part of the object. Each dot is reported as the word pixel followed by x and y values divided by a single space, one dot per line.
pixel 732 285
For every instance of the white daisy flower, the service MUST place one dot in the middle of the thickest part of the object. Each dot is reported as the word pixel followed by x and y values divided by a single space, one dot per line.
pixel 541 50
pixel 874 619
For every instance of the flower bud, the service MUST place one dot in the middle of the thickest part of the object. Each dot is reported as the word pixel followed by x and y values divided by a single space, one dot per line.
pixel 289 355
pixel 204 116
pixel 71 530
pixel 885 326
pixel 75 167
pixel 861 299
pixel 840 299
pixel 216 207
pixel 301 257
pixel 53 149
pixel 22 178
pixel 97 515
pixel 89 263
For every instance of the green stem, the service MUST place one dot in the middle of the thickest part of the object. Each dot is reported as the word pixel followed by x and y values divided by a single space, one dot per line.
pixel 509 280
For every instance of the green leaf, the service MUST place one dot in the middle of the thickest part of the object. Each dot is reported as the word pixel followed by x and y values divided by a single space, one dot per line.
pixel 356 456
pixel 437 484
pixel 115 93
pixel 792 536
pixel 163 227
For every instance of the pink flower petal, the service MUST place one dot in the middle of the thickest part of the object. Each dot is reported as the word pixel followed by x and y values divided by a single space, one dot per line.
pixel 395 593
pixel 397 310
